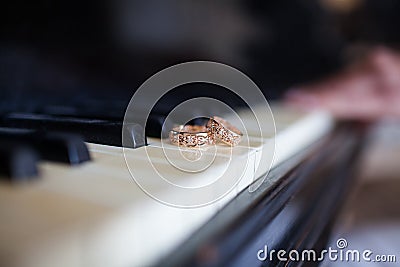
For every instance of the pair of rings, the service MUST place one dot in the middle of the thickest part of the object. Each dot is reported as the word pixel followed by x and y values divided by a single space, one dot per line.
pixel 217 129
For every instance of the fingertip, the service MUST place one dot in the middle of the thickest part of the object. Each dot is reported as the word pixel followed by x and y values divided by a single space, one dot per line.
pixel 303 97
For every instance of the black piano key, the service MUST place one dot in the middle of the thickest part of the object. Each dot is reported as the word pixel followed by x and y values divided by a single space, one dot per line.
pixel 63 147
pixel 58 147
pixel 158 126
pixel 92 130
pixel 103 113
pixel 17 162
pixel 154 123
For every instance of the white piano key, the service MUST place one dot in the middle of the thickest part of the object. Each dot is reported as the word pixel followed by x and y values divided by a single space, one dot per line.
pixel 96 215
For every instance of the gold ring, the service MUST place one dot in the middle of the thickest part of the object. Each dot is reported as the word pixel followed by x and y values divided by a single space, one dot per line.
pixel 224 131
pixel 191 136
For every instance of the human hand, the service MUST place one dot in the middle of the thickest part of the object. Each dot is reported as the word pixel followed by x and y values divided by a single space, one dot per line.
pixel 367 90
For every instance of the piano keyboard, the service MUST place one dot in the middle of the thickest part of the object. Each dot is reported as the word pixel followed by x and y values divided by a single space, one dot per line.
pixel 94 214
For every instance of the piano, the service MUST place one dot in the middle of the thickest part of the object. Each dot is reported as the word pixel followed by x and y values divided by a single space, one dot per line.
pixel 68 193
pixel 76 203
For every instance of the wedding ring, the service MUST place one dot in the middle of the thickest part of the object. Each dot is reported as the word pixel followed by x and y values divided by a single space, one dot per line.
pixel 191 136
pixel 223 131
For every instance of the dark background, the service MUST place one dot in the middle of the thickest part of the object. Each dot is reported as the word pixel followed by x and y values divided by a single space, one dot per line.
pixel 62 50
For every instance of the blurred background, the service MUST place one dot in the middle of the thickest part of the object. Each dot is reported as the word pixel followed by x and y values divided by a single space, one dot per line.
pixel 57 52
pixel 71 47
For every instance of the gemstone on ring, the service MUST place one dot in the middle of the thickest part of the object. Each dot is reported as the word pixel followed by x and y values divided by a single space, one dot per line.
pixel 191 136
pixel 224 131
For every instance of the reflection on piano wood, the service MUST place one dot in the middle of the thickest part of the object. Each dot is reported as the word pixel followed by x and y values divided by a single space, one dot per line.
pixel 94 214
